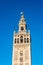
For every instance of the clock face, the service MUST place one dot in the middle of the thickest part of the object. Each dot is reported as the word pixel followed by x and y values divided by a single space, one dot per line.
pixel 22 28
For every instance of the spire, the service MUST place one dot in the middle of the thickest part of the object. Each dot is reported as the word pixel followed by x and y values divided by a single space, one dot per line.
pixel 22 23
pixel 22 16
pixel 22 19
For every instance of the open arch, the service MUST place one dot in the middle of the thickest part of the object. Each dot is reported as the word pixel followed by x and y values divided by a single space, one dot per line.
pixel 21 39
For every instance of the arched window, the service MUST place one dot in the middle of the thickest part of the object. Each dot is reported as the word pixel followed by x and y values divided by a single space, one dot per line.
pixel 27 40
pixel 24 40
pixel 21 39
pixel 21 53
pixel 22 28
pixel 15 40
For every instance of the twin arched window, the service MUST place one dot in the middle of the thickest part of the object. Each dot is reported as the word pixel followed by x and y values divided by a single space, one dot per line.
pixel 15 40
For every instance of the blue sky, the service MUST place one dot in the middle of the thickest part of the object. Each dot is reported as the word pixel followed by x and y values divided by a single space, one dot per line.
pixel 9 19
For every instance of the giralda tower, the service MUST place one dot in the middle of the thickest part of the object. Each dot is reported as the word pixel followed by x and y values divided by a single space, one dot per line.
pixel 21 45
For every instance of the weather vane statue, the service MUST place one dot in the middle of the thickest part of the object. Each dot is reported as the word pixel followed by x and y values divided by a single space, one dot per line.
pixel 21 13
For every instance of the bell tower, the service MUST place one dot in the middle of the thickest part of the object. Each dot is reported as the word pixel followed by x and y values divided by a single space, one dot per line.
pixel 21 45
